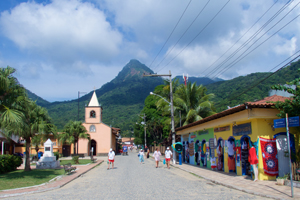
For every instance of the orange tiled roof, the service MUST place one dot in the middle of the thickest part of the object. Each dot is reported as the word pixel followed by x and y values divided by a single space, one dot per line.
pixel 269 100
pixel 257 104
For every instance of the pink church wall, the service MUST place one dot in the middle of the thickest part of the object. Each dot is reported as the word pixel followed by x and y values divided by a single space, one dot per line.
pixel 102 136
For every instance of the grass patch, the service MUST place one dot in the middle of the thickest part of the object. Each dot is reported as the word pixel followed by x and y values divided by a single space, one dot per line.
pixel 81 162
pixel 20 178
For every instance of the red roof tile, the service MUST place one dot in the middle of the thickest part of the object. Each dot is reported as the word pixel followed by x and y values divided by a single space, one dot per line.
pixel 268 100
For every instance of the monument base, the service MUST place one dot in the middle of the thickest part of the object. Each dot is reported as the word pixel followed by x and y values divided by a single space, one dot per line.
pixel 48 163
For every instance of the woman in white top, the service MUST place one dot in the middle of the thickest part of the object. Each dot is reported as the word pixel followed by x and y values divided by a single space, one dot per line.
pixel 141 156
pixel 156 155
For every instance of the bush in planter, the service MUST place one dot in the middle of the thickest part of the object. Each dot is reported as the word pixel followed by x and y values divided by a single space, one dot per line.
pixel 75 159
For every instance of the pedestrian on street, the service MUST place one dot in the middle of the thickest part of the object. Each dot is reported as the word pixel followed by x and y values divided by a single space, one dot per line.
pixel 141 156
pixel 147 151
pixel 156 155
pixel 168 155
pixel 111 158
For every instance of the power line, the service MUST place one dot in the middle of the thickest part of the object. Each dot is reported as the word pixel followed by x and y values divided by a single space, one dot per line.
pixel 249 40
pixel 270 74
pixel 239 58
pixel 184 33
pixel 239 38
pixel 171 33
pixel 196 35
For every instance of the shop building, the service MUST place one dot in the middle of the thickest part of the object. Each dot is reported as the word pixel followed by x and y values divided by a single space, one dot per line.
pixel 225 138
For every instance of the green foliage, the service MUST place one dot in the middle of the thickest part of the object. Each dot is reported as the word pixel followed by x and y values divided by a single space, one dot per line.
pixel 56 154
pixel 72 132
pixel 75 159
pixel 9 163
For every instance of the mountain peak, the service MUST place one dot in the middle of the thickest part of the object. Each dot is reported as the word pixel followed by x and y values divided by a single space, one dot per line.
pixel 132 70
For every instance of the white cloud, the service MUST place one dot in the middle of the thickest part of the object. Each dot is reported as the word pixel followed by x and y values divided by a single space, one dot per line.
pixel 62 31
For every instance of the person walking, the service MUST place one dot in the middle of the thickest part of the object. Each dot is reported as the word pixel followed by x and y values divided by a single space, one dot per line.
pixel 141 156
pixel 111 158
pixel 168 155
pixel 156 155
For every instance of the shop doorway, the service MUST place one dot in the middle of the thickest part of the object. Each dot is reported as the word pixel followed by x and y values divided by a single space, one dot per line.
pixel 187 155
pixel 220 150
pixel 197 154
pixel 282 152
pixel 246 145
pixel 231 154
pixel 66 150
pixel 94 146
pixel 183 151
pixel 203 153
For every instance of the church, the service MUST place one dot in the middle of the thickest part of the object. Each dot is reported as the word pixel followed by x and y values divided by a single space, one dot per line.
pixel 102 136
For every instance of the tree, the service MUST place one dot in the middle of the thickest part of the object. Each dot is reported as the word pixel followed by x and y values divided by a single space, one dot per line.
pixel 290 106
pixel 11 94
pixel 72 132
pixel 35 121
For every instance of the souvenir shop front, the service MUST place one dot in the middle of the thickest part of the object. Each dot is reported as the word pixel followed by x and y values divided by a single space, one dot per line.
pixel 196 147
pixel 233 134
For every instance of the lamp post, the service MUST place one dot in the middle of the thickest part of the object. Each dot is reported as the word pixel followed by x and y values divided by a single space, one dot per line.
pixel 144 123
pixel 172 108
pixel 78 102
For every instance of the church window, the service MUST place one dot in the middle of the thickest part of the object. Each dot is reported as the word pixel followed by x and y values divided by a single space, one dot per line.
pixel 92 128
pixel 93 114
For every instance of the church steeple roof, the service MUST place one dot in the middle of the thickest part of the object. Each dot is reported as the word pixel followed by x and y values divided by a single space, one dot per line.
pixel 94 101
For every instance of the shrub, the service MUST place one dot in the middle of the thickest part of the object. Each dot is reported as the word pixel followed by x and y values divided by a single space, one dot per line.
pixel 75 159
pixel 9 163
pixel 56 154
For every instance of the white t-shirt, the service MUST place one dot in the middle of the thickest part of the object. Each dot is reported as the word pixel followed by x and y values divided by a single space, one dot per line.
pixel 168 153
pixel 111 155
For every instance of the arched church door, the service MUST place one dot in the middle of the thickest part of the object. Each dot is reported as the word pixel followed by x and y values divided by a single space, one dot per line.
pixel 94 146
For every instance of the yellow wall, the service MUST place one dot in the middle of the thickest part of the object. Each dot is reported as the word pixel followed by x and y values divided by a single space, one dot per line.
pixel 261 120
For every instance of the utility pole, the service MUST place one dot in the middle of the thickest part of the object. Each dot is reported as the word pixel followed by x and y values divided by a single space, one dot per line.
pixel 78 103
pixel 172 108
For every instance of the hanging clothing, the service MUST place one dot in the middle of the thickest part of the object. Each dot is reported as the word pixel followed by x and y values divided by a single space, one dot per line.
pixel 269 154
pixel 213 163
pixel 230 146
pixel 231 163
pixel 220 158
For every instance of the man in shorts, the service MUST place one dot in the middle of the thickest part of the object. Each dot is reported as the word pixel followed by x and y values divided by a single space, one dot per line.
pixel 168 155
pixel 111 158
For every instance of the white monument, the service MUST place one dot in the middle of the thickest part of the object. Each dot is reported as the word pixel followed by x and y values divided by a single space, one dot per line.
pixel 48 160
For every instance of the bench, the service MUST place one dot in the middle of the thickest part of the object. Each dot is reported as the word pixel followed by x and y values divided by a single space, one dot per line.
pixel 93 159
pixel 81 155
pixel 69 168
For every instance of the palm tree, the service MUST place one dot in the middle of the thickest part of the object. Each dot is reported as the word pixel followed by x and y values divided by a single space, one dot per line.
pixel 11 94
pixel 72 132
pixel 193 102
pixel 35 121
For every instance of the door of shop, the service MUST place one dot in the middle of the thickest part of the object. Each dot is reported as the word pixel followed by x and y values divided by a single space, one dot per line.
pixel 66 150
pixel 283 160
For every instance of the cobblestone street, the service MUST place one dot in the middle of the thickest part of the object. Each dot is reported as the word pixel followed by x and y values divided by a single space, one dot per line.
pixel 132 180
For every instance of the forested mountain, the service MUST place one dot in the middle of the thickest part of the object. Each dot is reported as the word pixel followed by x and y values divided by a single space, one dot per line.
pixel 239 90
pixel 199 80
pixel 123 98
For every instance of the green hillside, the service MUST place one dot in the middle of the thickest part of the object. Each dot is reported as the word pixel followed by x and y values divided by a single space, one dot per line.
pixel 228 93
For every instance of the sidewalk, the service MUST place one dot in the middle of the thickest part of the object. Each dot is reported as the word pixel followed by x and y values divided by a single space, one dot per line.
pixel 242 183
pixel 60 182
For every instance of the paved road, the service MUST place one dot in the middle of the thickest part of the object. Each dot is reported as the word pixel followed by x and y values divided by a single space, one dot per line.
pixel 131 180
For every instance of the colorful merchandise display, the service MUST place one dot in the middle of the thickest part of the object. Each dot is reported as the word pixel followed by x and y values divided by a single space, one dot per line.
pixel 269 155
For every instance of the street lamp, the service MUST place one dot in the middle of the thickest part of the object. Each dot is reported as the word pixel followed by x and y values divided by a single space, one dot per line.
pixel 172 108
pixel 144 123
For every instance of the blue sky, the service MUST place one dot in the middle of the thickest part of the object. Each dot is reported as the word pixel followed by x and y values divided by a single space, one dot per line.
pixel 60 47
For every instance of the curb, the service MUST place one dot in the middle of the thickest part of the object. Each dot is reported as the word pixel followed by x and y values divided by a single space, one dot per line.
pixel 230 186
pixel 46 189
